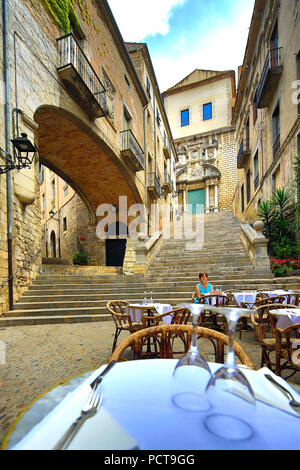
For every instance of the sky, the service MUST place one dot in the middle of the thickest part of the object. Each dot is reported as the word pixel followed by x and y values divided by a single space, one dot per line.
pixel 183 35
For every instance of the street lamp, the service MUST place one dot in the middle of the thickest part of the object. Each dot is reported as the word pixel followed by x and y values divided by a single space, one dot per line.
pixel 24 152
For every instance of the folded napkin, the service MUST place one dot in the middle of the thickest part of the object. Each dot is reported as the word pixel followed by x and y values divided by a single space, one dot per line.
pixel 101 432
pixel 268 393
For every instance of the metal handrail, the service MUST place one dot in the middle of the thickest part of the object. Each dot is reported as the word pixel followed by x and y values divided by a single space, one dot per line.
pixel 154 181
pixel 70 53
pixel 273 59
pixel 32 257
pixel 129 142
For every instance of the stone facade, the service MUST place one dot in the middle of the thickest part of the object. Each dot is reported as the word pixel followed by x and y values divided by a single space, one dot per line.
pixel 205 144
pixel 267 107
pixel 59 108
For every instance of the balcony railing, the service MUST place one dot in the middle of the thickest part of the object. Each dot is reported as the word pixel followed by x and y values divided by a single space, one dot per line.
pixel 80 78
pixel 243 153
pixel 168 186
pixel 132 150
pixel 270 77
pixel 153 185
pixel 167 148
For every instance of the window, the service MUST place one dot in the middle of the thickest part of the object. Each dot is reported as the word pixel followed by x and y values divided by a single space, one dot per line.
pixel 158 118
pixel 53 191
pixel 148 86
pixel 127 81
pixel 276 130
pixel 185 117
pixel 43 205
pixel 248 186
pixel 66 190
pixel 64 224
pixel 42 173
pixel 207 111
pixel 127 120
pixel 242 198
pixel 254 107
pixel 255 171
pixel 298 78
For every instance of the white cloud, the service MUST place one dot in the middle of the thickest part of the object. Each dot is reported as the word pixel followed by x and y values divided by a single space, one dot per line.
pixel 222 49
pixel 139 18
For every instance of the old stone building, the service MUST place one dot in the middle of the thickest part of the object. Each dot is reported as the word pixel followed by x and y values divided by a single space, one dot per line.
pixel 199 109
pixel 70 85
pixel 267 109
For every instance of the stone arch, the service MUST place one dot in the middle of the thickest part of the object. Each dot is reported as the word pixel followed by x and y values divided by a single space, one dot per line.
pixel 78 154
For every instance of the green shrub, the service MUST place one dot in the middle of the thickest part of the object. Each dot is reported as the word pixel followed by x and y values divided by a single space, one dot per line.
pixel 80 258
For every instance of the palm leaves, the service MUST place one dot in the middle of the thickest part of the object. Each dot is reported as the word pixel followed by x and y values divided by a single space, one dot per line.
pixel 278 214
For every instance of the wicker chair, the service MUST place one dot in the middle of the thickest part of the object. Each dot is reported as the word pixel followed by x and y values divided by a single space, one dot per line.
pixel 261 299
pixel 287 340
pixel 117 309
pixel 180 316
pixel 164 335
pixel 265 330
pixel 210 319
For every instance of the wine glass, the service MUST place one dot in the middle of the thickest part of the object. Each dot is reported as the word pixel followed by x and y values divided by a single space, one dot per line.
pixel 229 392
pixel 191 373
pixel 151 299
pixel 145 297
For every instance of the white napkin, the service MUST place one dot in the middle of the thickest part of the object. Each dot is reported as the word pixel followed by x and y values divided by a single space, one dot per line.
pixel 101 432
pixel 268 393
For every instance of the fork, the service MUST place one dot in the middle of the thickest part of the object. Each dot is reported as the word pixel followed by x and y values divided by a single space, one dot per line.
pixel 90 408
pixel 293 403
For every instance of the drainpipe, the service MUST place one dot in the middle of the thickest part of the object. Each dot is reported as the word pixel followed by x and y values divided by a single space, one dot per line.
pixel 7 148
pixel 145 153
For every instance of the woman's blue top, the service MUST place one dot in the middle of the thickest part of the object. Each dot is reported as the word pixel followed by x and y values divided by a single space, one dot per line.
pixel 203 292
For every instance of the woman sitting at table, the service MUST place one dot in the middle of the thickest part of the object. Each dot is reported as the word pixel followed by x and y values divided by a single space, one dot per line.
pixel 203 288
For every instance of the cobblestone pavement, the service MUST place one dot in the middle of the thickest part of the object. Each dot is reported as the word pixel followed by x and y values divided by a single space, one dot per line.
pixel 38 357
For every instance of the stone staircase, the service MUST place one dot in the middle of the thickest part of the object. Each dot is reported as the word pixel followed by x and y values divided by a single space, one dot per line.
pixel 79 294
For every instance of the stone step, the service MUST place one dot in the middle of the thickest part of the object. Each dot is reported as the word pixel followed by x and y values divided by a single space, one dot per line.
pixel 52 319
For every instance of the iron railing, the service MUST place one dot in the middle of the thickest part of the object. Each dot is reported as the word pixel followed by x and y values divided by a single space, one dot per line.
pixel 244 147
pixel 273 59
pixel 153 181
pixel 70 53
pixel 129 142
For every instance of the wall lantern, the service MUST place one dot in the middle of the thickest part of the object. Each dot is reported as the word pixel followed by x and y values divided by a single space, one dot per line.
pixel 24 153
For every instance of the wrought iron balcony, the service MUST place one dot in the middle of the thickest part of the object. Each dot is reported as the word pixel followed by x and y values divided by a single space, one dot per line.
pixel 244 153
pixel 79 77
pixel 132 151
pixel 168 186
pixel 270 77
pixel 167 148
pixel 153 185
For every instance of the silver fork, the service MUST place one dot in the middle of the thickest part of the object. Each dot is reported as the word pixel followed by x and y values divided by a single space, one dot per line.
pixel 90 408
pixel 293 403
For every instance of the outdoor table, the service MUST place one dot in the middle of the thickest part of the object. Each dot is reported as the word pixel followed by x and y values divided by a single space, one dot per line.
pixel 287 317
pixel 138 413
pixel 136 311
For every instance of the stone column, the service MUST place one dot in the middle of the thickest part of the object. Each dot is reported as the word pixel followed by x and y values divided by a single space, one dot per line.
pixel 216 209
pixel 207 199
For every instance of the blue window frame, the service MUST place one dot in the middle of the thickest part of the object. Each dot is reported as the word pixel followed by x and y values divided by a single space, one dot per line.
pixel 185 117
pixel 207 111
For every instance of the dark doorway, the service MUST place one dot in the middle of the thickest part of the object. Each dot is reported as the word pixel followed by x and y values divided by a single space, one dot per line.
pixel 115 248
pixel 53 244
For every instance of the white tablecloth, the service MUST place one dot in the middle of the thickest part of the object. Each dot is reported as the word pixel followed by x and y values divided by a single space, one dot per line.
pixel 136 314
pixel 137 396
pixel 291 316
pixel 276 293
pixel 245 297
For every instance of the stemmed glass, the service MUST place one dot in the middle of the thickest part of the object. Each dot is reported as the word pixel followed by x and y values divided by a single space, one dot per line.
pixel 191 373
pixel 151 299
pixel 229 391
pixel 145 297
